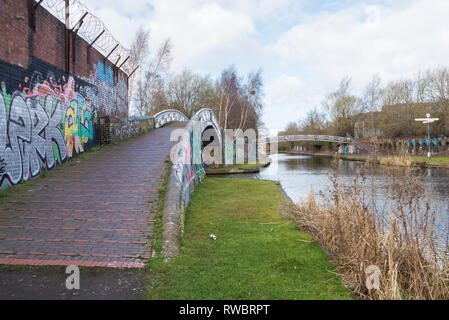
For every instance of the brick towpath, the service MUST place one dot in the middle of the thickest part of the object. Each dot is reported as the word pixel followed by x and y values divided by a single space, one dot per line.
pixel 97 210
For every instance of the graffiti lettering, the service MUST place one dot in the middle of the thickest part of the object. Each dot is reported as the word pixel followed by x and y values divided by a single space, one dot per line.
pixel 43 122
pixel 112 96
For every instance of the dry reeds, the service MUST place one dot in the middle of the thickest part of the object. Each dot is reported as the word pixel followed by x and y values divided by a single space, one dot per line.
pixel 399 242
pixel 401 161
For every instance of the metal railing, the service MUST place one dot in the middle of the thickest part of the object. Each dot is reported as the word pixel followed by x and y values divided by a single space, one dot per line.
pixel 171 115
pixel 323 138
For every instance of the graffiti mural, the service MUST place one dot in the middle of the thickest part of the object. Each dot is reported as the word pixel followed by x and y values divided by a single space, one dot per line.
pixel 197 159
pixel 44 120
pixel 419 145
pixel 2 167
pixel 112 97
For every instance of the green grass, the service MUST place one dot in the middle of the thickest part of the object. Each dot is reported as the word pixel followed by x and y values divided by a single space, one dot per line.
pixel 243 166
pixel 257 255
pixel 432 160
pixel 156 236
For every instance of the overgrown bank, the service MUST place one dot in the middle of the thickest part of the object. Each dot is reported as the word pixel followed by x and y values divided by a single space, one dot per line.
pixel 422 162
pixel 384 251
pixel 258 254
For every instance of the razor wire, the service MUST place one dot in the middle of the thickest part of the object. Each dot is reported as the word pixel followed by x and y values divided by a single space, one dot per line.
pixel 92 29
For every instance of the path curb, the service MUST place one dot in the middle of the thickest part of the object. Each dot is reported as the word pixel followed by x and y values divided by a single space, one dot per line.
pixel 171 236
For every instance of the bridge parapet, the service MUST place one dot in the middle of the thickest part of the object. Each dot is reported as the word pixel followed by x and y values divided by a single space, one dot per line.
pixel 167 116
pixel 207 118
pixel 186 172
pixel 323 138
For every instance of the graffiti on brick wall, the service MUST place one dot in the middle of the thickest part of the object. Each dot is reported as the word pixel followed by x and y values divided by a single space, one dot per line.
pixel 2 167
pixel 113 93
pixel 131 128
pixel 44 120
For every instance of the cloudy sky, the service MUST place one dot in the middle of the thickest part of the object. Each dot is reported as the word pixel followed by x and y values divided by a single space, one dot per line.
pixel 304 47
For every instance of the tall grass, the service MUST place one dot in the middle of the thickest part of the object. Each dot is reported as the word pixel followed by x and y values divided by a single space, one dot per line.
pixel 400 240
pixel 397 161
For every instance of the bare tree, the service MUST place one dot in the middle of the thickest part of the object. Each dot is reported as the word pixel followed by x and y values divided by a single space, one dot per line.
pixel 158 72
pixel 139 51
pixel 422 87
pixel 227 90
pixel 314 122
pixel 371 99
pixel 341 107
pixel 249 107
pixel 188 92
pixel 150 88
pixel 238 103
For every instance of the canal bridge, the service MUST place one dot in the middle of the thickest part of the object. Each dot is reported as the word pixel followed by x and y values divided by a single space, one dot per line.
pixel 208 120
pixel 99 210
pixel 360 147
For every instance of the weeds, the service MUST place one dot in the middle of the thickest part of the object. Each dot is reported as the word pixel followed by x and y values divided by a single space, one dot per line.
pixel 400 240
pixel 402 160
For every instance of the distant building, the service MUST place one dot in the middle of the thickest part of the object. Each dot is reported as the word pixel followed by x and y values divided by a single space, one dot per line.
pixel 399 119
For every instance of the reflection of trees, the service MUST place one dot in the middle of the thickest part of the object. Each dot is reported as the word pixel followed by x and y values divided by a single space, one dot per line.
pixel 306 163
pixel 438 179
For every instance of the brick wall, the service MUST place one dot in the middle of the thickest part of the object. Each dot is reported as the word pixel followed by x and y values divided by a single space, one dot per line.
pixel 48 115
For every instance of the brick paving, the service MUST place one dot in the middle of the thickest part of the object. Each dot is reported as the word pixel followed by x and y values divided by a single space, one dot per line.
pixel 97 210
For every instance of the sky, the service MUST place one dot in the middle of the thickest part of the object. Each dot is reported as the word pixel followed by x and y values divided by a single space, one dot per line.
pixel 304 47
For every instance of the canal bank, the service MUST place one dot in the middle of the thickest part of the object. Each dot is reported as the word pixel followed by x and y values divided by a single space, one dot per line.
pixel 257 254
pixel 419 162
pixel 299 174
pixel 420 194
pixel 239 168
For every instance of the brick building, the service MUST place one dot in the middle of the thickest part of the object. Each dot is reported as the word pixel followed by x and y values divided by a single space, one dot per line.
pixel 55 87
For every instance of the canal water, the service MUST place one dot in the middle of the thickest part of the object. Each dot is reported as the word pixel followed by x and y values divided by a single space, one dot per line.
pixel 299 174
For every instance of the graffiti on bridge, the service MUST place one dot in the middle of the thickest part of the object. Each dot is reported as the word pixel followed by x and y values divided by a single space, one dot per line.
pixel 187 154
pixel 131 128
pixel 167 116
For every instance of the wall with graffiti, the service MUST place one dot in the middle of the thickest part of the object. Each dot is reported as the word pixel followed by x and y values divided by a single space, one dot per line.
pixel 111 98
pixel 52 99
pixel 131 128
pixel 419 145
pixel 48 116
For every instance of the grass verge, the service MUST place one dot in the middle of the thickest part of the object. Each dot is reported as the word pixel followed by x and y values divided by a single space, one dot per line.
pixel 158 227
pixel 439 160
pixel 257 255
pixel 244 165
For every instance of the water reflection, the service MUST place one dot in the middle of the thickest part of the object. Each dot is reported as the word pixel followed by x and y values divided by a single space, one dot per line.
pixel 298 174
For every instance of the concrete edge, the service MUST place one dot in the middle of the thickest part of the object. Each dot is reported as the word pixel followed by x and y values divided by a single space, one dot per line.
pixel 226 171
pixel 171 235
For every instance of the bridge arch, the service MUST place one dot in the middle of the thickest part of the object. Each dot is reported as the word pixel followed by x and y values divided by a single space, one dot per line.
pixel 322 138
pixel 187 159
pixel 167 116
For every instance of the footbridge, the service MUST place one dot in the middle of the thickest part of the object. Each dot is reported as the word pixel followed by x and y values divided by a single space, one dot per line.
pixel 323 138
pixel 317 138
